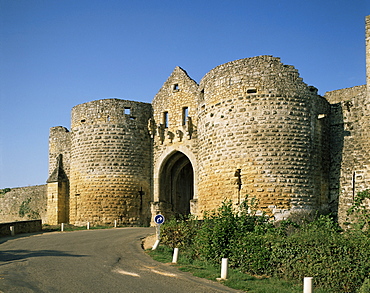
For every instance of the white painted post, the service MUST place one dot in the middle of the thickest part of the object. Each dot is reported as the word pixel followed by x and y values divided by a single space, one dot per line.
pixel 62 227
pixel 88 226
pixel 115 223
pixel 12 231
pixel 155 244
pixel 224 263
pixel 158 231
pixel 175 255
pixel 307 285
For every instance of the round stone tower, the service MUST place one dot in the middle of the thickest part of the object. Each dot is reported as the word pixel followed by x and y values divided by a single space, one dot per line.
pixel 110 166
pixel 261 133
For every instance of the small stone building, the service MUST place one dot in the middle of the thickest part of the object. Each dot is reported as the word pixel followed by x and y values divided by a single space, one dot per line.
pixel 250 127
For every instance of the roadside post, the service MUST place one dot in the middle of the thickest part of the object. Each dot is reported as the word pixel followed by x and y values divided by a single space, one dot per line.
pixel 224 264
pixel 159 220
pixel 12 230
pixel 307 285
pixel 175 255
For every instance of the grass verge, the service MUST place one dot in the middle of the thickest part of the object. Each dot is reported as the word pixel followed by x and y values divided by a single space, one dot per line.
pixel 236 279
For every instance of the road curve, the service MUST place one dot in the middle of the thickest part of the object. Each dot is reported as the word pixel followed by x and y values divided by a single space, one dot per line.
pixel 110 260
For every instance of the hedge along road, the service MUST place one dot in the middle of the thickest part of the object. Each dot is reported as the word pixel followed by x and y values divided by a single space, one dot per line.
pixel 110 260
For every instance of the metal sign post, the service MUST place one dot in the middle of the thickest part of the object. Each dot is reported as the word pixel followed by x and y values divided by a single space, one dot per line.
pixel 159 220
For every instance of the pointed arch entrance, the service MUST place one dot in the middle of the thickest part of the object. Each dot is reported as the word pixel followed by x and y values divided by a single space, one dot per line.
pixel 176 184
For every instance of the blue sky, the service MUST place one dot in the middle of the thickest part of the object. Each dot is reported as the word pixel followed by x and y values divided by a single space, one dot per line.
pixel 56 54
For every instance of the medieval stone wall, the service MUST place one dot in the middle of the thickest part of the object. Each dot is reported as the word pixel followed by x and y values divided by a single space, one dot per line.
pixel 23 203
pixel 173 129
pixel 259 119
pixel 59 143
pixel 350 142
pixel 58 180
pixel 111 162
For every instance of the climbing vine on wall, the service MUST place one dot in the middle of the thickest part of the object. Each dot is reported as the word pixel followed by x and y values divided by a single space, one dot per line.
pixel 360 210
pixel 25 210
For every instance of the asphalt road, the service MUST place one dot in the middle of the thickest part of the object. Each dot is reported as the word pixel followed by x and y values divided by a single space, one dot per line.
pixel 90 261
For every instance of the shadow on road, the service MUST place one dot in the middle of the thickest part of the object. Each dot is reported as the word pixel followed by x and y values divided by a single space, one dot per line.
pixel 4 239
pixel 14 255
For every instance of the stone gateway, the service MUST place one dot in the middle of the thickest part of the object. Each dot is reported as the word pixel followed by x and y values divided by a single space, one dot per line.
pixel 250 127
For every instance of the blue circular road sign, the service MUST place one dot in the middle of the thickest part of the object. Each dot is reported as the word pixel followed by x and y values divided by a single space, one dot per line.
pixel 159 219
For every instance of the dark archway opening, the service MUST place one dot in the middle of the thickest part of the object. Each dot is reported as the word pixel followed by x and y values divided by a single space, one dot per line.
pixel 177 184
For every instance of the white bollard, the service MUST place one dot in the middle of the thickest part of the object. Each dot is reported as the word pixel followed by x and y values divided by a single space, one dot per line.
pixel 224 263
pixel 115 223
pixel 12 231
pixel 88 226
pixel 155 244
pixel 62 227
pixel 175 255
pixel 307 285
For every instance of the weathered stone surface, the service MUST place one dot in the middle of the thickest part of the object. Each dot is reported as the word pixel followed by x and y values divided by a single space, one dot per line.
pixel 259 117
pixel 110 163
pixel 350 142
pixel 24 203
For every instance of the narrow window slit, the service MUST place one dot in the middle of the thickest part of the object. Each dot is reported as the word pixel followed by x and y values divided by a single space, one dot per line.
pixel 165 119
pixel 185 114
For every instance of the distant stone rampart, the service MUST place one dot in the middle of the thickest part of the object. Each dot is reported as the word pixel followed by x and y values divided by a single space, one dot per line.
pixel 23 203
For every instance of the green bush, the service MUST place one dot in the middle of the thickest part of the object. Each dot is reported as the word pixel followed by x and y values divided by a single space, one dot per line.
pixel 302 246
pixel 252 252
pixel 359 211
pixel 337 261
pixel 324 255
pixel 227 232
pixel 365 288
pixel 179 232
pixel 215 235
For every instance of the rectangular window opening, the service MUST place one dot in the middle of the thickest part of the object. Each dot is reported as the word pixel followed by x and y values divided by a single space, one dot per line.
pixel 201 95
pixel 165 119
pixel 185 114
pixel 127 111
pixel 353 185
pixel 251 91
